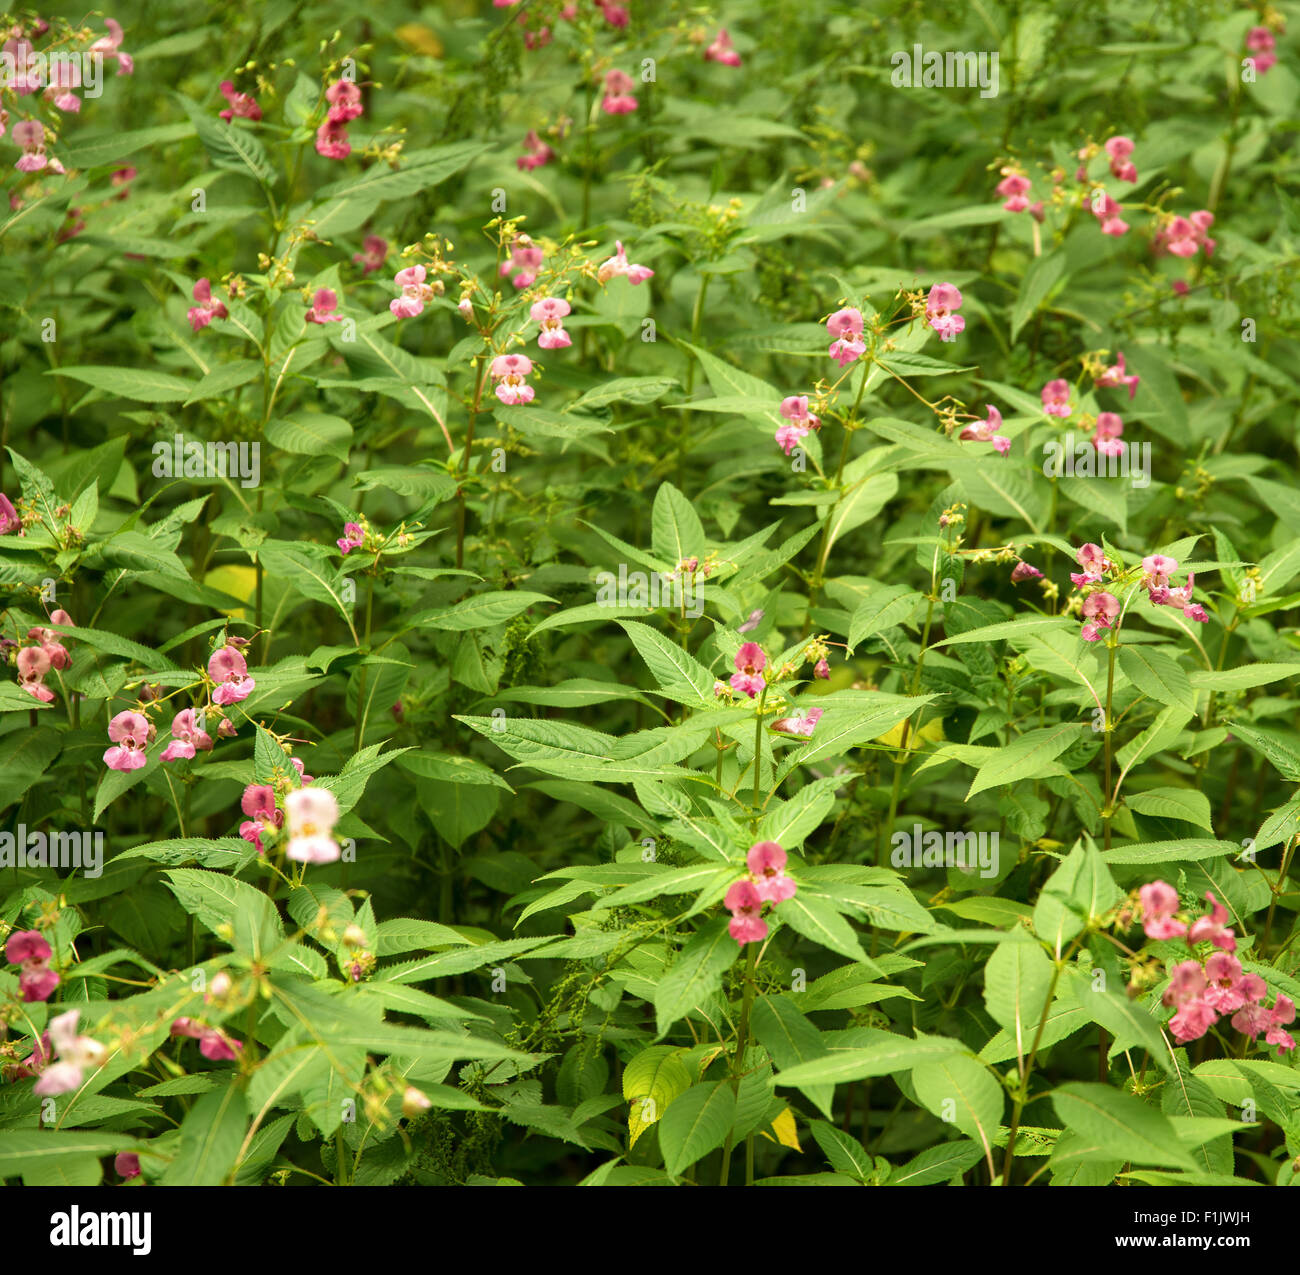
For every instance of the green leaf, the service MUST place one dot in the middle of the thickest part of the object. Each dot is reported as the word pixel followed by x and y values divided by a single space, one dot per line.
pixel 1017 981
pixel 817 920
pixel 311 434
pixel 881 610
pixel 1118 1126
pixel 695 1123
pixel 1173 803
pixel 142 384
pixel 963 1092
pixel 211 1136
pixel 1158 675
pixel 1042 276
pixel 481 611
pixel 1028 756
pixel 1080 890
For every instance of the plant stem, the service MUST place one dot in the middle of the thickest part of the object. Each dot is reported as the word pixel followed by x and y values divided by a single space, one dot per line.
pixel 738 1063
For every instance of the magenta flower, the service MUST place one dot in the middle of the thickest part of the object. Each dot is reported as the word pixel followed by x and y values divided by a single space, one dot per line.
pixel 1119 149
pixel 1159 903
pixel 1186 982
pixel 29 950
pixel 1106 437
pixel 258 803
pixel 344 98
pixel 618 99
pixel 30 135
pixel 755 619
pixel 550 312
pixel 615 14
pixel 1056 398
pixel 332 139
pixel 9 519
pixel 110 47
pixel 822 670
pixel 1100 609
pixel 801 723
pixel 126 1165
pixel 1014 188
pixel 214 1044
pixel 75 1053
pixel 240 104
pixel 745 903
pixel 846 327
pixel 1260 41
pixel 1023 571
pixel 324 302
pixel 1157 569
pixel 509 371
pixel 207 309
pixel 354 536
pixel 1192 1021
pixel 1095 564
pixel 1227 987
pixel 64 77
pixel 373 254
pixel 311 814
pixel 1211 928
pixel 750 663
pixel 130 733
pixel 721 51
pixel 301 768
pixel 415 292
pixel 1283 1012
pixel 187 736
pixel 986 431
pixel 618 265
pixel 941 308
pixel 33 664
pixel 766 862
pixel 537 154
pixel 228 668
pixel 795 410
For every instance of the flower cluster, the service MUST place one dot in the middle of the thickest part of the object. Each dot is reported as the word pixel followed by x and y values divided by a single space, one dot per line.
pixel 618 99
pixel 765 883
pixel 344 98
pixel 1157 569
pixel 845 326
pixel 1185 236
pixel 35 662
pixel 1202 992
pixel 800 422
pixel 1260 42
pixel 525 260
pixel 537 153
pixel 721 51
pixel 76 1053
pixel 618 266
pixel 941 308
pixel 31 952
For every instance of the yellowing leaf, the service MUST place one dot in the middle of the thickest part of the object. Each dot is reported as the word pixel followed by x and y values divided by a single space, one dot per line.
pixel 784 1128
pixel 238 581
pixel 931 731
pixel 418 37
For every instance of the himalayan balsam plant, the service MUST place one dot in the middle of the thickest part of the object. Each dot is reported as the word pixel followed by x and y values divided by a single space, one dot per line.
pixel 633 593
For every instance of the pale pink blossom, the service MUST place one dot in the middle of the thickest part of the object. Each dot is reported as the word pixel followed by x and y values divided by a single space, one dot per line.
pixel 721 51
pixel 130 733
pixel 30 135
pixel 510 372
pixel 550 313
pixel 110 46
pixel 415 292
pixel 537 153
pixel 310 816
pixel 1211 928
pixel 241 105
pixel 33 664
pixel 1056 398
pixel 1115 376
pixel 229 670
pixel 618 99
pixel 802 722
pixel 354 536
pixel 75 1053
pixel 941 306
pixel 324 302
pixel 766 861
pixel 373 254
pixel 618 265
pixel 207 309
pixel 332 139
pixel 525 261
pixel 745 903
pixel 750 661
pixel 187 737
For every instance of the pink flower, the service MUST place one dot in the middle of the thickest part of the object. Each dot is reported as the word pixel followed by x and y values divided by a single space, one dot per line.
pixel 324 302
pixel 1094 562
pixel 415 292
pixel 509 371
pixel 550 312
pixel 1100 608
pixel 1177 237
pixel 228 668
pixel 1186 983
pixel 754 620
pixel 1115 376
pixel 301 768
pixel 822 670
pixel 1014 188
pixel 75 1053
pixel 1056 398
pixel 940 311
pixel 214 1044
pixel 373 254
pixel 109 45
pixel 618 99
pixel 311 814
pixel 29 950
pixel 846 327
pixel 750 663
pixel 986 431
pixel 1119 149
pixel 241 104
pixel 30 135
pixel 1227 988
pixel 766 862
pixel 1283 1012
pixel 1159 903
pixel 1211 928
pixel 1107 434
pixel 33 664
pixel 801 723
pixel 1157 569
pixel 64 77
pixel 1192 1021
pixel 344 98
pixel 1107 211
pixel 618 265
pixel 354 536
pixel 1023 571
pixel 615 14
pixel 795 410
pixel 525 259
pixel 745 903
pixel 721 51
pixel 258 802
pixel 126 1165
pixel 9 519
pixel 332 139
pixel 207 309
pixel 187 736
pixel 130 733
pixel 1261 42
pixel 537 154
